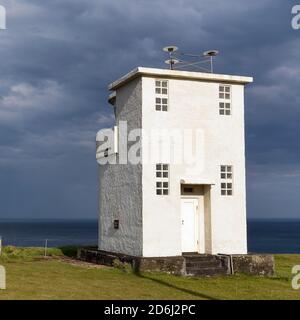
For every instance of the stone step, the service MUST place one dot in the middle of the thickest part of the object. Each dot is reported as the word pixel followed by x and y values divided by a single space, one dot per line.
pixel 203 261
pixel 206 271
pixel 200 257
pixel 203 264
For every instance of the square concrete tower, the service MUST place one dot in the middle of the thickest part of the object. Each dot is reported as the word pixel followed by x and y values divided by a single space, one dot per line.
pixel 172 170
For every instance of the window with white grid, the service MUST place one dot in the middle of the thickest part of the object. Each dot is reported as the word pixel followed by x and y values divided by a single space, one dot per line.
pixel 225 100
pixel 226 180
pixel 161 95
pixel 162 179
pixel 161 104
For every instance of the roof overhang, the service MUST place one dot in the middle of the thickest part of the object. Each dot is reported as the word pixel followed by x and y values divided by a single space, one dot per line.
pixel 196 180
pixel 112 98
pixel 176 74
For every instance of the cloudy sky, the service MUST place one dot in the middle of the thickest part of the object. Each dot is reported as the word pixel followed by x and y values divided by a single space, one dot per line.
pixel 57 57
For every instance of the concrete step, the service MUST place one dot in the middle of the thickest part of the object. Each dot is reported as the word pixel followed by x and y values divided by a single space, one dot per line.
pixel 200 257
pixel 203 264
pixel 206 271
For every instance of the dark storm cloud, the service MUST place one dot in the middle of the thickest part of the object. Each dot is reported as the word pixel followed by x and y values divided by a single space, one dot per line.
pixel 58 56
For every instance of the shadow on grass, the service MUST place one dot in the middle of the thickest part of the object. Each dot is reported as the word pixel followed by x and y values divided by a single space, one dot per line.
pixel 69 251
pixel 169 285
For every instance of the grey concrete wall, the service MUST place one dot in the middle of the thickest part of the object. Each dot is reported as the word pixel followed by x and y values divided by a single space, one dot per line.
pixel 121 185
pixel 256 264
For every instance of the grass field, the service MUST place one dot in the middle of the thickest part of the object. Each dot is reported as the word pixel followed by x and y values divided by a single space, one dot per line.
pixel 31 276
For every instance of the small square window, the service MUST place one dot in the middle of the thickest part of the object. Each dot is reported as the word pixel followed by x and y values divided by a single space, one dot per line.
pixel 226 180
pixel 161 104
pixel 162 179
pixel 224 108
pixel 224 92
pixel 161 89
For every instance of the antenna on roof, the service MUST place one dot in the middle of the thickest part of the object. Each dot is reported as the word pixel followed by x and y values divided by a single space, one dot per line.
pixel 171 61
pixel 210 54
pixel 199 61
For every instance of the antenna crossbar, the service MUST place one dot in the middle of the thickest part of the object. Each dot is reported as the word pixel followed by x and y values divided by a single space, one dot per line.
pixel 175 60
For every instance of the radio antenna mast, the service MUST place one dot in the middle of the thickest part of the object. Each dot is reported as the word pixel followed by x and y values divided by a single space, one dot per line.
pixel 171 61
pixel 180 60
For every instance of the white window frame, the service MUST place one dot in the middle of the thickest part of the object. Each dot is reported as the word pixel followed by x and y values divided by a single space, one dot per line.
pixel 161 95
pixel 225 97
pixel 226 177
pixel 162 181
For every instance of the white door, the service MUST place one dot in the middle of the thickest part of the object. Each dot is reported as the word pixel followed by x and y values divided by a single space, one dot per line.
pixel 189 230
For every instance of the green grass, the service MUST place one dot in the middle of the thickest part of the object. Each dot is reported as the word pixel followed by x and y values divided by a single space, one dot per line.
pixel 30 276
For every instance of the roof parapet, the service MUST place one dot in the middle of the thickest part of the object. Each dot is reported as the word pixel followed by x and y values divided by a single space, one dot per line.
pixel 176 74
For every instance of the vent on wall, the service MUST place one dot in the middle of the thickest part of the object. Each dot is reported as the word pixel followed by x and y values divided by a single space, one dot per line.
pixel 116 224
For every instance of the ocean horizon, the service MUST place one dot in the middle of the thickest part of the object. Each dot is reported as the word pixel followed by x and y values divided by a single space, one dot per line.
pixel 264 235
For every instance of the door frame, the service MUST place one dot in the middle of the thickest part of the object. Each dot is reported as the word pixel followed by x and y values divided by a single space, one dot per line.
pixel 196 221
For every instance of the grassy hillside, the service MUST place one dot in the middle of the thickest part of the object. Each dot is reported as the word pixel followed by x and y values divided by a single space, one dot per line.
pixel 31 276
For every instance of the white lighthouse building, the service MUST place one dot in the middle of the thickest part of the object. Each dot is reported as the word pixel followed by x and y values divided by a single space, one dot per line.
pixel 172 171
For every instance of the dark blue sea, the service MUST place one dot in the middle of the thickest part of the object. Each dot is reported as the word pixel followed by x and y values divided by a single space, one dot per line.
pixel 274 236
pixel 264 236
pixel 26 233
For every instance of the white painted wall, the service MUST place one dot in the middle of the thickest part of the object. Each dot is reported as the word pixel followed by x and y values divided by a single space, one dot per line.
pixel 195 104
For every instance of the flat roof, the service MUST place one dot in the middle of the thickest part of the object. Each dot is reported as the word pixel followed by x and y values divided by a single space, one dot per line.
pixel 178 74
